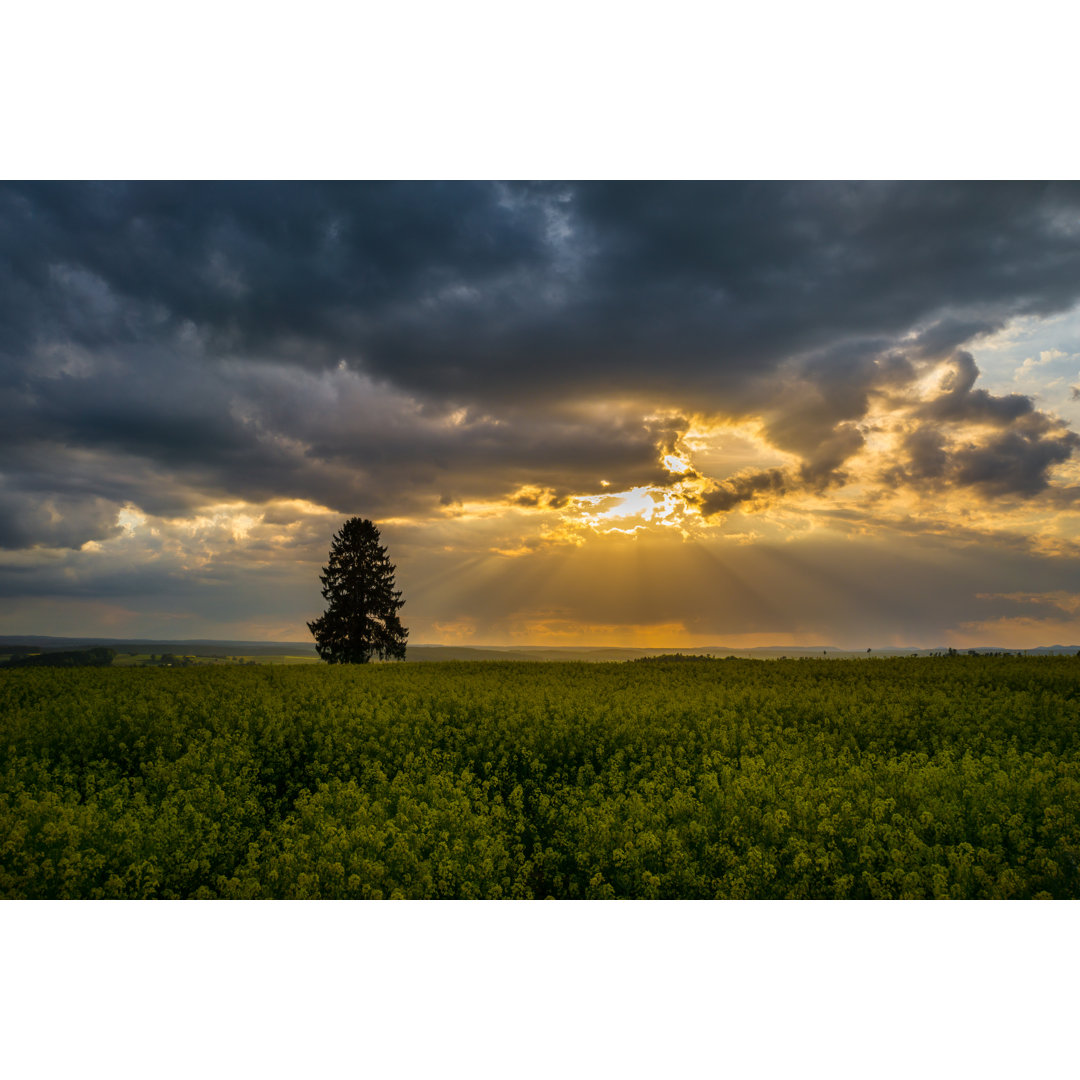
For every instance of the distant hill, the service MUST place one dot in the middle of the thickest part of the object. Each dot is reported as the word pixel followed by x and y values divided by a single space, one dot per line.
pixel 763 652
pixel 23 644
pixel 199 647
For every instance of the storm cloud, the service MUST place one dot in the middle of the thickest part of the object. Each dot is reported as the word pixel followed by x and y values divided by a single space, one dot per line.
pixel 464 289
pixel 378 344
pixel 429 354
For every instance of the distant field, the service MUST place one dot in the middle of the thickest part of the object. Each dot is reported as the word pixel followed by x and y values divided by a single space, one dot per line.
pixel 954 777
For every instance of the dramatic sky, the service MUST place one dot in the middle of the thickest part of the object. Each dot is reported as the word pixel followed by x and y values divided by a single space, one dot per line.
pixel 642 414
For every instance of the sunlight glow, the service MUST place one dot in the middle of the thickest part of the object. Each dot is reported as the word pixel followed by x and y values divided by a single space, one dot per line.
pixel 130 519
pixel 677 463
pixel 668 506
pixel 637 508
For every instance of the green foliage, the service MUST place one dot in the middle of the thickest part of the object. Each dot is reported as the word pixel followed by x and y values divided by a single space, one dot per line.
pixel 957 777
pixel 361 619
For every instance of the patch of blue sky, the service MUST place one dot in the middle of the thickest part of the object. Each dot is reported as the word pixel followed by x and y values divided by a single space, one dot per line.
pixel 1037 356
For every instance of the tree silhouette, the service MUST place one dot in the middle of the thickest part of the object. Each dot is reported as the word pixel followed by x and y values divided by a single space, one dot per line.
pixel 358 583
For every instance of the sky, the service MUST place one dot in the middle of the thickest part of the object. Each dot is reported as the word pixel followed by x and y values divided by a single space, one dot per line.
pixel 652 414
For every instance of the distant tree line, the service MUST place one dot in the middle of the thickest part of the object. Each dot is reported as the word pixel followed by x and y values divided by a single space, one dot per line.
pixel 96 657
pixel 669 657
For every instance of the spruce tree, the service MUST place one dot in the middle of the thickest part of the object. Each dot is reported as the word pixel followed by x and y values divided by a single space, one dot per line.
pixel 358 583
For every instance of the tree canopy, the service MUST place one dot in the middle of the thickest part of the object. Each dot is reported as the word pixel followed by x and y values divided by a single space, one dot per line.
pixel 361 619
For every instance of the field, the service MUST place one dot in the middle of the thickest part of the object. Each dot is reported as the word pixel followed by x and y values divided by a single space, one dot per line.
pixel 894 778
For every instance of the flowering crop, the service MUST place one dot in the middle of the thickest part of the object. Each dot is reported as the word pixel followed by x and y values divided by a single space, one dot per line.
pixel 953 777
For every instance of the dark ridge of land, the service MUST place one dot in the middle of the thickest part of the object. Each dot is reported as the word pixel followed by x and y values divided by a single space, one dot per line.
pixel 97 657
pixel 27 644
pixel 424 653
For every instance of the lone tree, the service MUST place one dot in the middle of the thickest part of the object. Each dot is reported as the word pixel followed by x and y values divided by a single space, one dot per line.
pixel 361 620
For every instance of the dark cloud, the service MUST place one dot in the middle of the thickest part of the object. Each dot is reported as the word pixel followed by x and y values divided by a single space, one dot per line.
pixel 29 519
pixel 257 265
pixel 926 456
pixel 1014 447
pixel 1012 463
pixel 744 487
pixel 381 347
pixel 959 401
pixel 820 471
pixel 484 289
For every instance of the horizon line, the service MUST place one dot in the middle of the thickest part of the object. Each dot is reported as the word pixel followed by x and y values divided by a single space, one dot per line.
pixel 12 639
